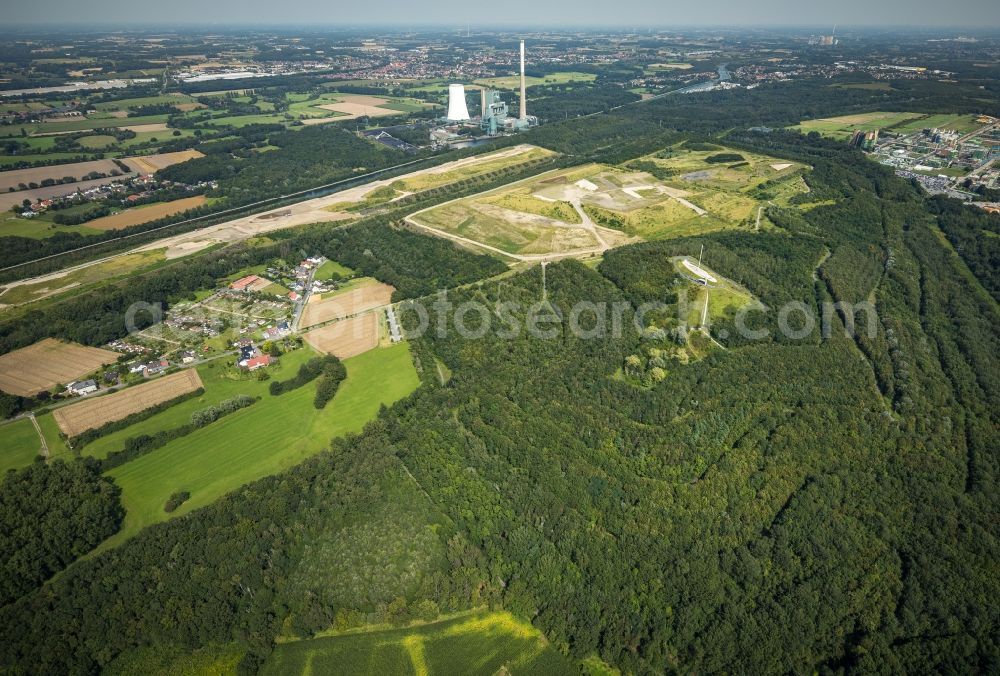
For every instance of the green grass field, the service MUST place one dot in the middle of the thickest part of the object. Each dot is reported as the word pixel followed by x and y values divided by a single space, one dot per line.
pixel 81 124
pixel 176 661
pixel 474 643
pixel 19 444
pixel 266 438
pixel 39 227
pixel 125 104
pixel 97 141
pixel 513 82
pixel 901 123
pixel 11 160
pixel 960 123
pixel 843 127
pixel 332 270
pixel 91 274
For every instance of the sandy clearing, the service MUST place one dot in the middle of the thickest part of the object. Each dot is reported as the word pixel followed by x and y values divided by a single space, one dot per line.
pixel 346 304
pixel 674 192
pixel 693 207
pixel 348 337
pixel 634 191
pixel 150 164
pixel 94 412
pixel 63 118
pixel 699 271
pixel 47 363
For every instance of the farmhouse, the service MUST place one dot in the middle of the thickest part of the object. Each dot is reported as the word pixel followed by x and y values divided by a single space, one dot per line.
pixel 82 387
pixel 154 367
pixel 255 363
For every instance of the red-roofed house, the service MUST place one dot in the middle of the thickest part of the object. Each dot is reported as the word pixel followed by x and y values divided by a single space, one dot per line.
pixel 242 283
pixel 292 296
pixel 256 362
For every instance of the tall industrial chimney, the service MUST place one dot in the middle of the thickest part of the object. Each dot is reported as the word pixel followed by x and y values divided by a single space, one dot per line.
pixel 524 96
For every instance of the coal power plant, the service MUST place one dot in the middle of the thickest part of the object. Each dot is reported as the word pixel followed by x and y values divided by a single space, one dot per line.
pixel 494 119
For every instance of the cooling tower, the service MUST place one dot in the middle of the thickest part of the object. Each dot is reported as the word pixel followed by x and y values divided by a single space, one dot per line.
pixel 457 108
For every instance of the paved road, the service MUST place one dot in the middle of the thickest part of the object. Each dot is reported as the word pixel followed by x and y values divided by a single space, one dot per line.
pixel 300 304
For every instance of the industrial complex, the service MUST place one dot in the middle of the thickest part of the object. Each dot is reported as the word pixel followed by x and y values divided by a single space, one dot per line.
pixel 494 117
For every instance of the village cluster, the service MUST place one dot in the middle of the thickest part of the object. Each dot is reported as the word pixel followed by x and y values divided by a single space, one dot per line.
pixel 247 324
pixel 126 192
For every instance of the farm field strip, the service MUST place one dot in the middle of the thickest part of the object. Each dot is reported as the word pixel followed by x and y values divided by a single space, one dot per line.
pixel 145 214
pixel 347 337
pixel 146 164
pixel 47 363
pixel 345 304
pixel 94 412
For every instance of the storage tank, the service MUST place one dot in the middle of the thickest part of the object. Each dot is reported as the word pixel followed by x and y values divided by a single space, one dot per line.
pixel 457 109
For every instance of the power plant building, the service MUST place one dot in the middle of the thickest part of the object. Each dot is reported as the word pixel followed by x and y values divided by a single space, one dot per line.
pixel 494 115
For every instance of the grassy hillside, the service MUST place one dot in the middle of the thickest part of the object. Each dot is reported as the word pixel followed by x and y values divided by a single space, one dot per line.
pixel 473 643
pixel 270 436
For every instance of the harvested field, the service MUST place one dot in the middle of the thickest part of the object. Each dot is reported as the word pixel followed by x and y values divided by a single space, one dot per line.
pixel 355 105
pixel 146 214
pixel 47 363
pixel 150 164
pixel 92 413
pixel 147 164
pixel 346 304
pixel 11 179
pixel 348 337
pixel 153 126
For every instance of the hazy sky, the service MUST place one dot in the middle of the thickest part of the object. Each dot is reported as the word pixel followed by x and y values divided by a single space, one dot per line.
pixel 983 14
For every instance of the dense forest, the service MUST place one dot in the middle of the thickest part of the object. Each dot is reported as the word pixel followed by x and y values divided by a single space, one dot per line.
pixel 820 504
pixel 49 516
